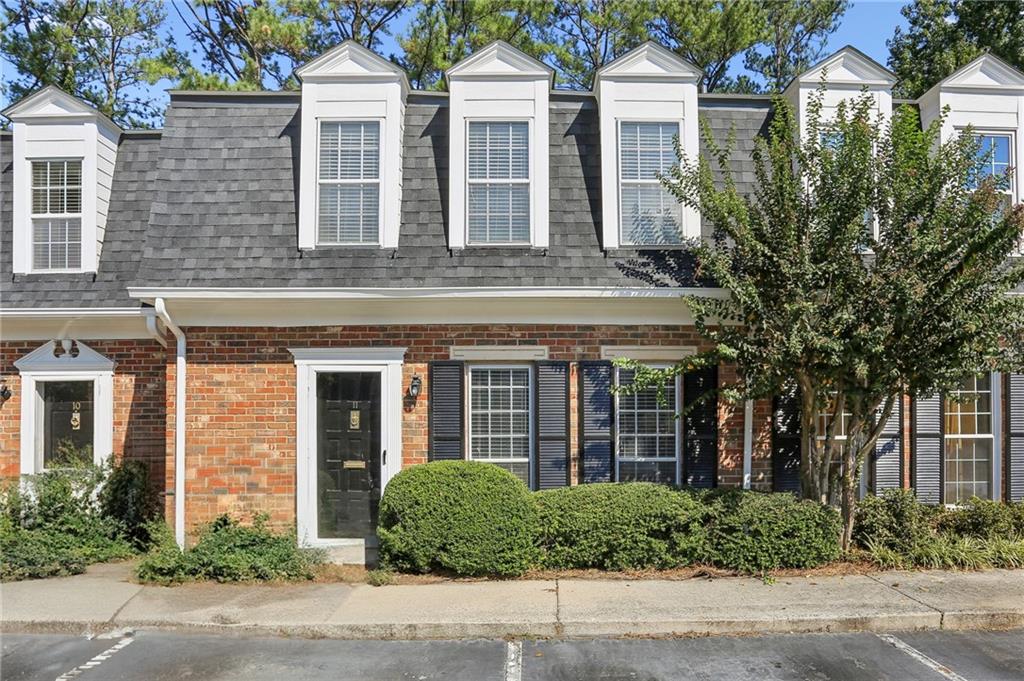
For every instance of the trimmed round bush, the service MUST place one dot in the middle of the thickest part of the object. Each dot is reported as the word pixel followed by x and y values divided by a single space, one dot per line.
pixel 757 531
pixel 984 519
pixel 618 526
pixel 466 517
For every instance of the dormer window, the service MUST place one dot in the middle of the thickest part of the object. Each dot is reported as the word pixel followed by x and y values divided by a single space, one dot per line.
pixel 57 214
pixel 349 183
pixel 498 177
pixel 647 98
pixel 649 213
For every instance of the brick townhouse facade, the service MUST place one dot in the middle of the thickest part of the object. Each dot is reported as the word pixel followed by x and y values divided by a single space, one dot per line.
pixel 280 300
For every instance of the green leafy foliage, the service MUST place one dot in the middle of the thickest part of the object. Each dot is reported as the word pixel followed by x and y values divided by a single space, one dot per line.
pixel 756 531
pixel 229 551
pixel 129 499
pixel 613 526
pixel 52 524
pixel 900 532
pixel 943 35
pixel 467 517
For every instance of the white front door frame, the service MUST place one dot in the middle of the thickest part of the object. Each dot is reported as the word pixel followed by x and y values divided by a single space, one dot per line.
pixel 308 363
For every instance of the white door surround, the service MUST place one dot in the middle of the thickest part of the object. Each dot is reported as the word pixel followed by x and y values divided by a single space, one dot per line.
pixel 308 363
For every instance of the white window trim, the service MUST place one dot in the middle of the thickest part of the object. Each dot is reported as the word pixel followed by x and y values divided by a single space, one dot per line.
pixel 308 363
pixel 380 184
pixel 996 436
pixel 678 429
pixel 531 415
pixel 619 181
pixel 529 181
pixel 33 216
pixel 40 366
pixel 1011 133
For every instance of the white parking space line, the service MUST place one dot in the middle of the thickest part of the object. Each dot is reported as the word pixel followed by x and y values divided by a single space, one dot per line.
pixel 514 661
pixel 96 661
pixel 921 657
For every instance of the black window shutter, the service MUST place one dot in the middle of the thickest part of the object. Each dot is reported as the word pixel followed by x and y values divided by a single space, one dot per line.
pixel 927 450
pixel 786 442
pixel 700 428
pixel 552 409
pixel 887 462
pixel 596 422
pixel 1015 439
pixel 446 420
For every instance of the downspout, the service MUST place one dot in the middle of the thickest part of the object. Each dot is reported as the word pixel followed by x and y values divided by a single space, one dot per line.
pixel 748 441
pixel 179 421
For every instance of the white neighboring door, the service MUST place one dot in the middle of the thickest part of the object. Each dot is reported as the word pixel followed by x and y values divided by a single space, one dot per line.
pixel 348 440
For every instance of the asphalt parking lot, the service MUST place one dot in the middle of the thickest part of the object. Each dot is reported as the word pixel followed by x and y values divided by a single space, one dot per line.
pixel 158 656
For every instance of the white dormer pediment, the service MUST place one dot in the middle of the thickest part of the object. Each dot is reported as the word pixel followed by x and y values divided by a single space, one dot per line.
pixel 52 126
pixel 351 83
pixel 499 60
pixel 351 61
pixel 848 66
pixel 650 60
pixel 987 71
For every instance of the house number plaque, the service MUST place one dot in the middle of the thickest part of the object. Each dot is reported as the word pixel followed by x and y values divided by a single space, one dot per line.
pixel 353 419
pixel 76 416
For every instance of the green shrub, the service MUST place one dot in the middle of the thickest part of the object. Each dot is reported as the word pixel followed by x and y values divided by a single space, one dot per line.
pixel 896 520
pixel 129 499
pixel 52 524
pixel 617 526
pixel 984 519
pixel 756 531
pixel 228 551
pixel 467 517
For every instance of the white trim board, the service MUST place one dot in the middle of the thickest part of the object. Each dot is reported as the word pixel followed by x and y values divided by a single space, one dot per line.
pixel 327 293
pixel 648 353
pixel 498 352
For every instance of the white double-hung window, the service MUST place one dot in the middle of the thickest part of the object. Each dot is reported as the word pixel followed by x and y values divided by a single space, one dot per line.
pixel 499 417
pixel 994 160
pixel 648 213
pixel 57 214
pixel 498 179
pixel 349 183
pixel 647 432
pixel 970 441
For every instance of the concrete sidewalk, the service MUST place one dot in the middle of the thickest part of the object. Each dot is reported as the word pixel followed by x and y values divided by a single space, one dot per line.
pixel 105 599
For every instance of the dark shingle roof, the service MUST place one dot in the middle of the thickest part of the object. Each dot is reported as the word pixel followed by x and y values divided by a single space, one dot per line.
pixel 211 202
pixel 134 179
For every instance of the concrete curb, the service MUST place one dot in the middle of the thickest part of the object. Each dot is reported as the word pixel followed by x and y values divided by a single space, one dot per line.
pixel 569 629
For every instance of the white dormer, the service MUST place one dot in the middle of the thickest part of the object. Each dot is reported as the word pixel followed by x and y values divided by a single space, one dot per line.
pixel 646 98
pixel 498 149
pixel 988 95
pixel 350 175
pixel 64 155
pixel 847 73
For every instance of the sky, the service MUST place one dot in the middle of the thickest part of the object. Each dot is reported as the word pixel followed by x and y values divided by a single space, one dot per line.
pixel 866 25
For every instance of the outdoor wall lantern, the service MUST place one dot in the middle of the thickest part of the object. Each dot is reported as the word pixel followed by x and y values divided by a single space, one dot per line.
pixel 415 386
pixel 5 392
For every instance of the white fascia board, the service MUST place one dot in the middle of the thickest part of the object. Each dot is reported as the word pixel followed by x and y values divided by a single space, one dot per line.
pixel 184 293
pixel 79 312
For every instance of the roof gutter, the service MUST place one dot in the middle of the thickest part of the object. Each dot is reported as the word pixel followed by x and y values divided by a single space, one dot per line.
pixel 396 293
pixel 179 421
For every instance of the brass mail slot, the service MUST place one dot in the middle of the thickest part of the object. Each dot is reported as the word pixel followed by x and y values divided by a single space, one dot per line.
pixel 353 464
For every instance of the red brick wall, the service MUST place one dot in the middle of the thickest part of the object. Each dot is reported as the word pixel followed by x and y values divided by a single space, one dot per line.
pixel 241 401
pixel 139 402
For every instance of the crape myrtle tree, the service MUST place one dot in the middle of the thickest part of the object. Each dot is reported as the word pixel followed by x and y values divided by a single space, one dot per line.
pixel 871 261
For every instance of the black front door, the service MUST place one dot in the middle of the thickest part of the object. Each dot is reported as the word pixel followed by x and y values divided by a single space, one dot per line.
pixel 348 453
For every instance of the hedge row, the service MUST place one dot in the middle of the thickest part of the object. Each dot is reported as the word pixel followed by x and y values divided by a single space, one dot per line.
pixel 473 518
